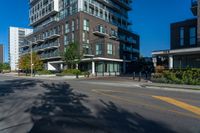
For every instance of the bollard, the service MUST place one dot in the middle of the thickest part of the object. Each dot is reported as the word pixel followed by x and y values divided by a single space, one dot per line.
pixel 140 75
pixel 77 76
pixel 95 74
pixel 133 75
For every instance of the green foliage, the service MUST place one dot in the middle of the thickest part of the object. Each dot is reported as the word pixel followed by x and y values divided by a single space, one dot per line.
pixel 86 74
pixel 183 76
pixel 44 72
pixel 72 55
pixel 25 62
pixel 71 72
pixel 4 66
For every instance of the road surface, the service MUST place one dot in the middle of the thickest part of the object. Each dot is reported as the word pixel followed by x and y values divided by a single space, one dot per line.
pixel 94 106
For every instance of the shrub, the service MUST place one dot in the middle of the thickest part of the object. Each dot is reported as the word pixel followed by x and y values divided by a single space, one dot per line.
pixel 183 76
pixel 71 72
pixel 86 74
pixel 159 69
pixel 44 72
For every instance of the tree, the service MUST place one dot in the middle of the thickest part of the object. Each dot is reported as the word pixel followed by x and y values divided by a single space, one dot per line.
pixel 4 66
pixel 72 55
pixel 25 62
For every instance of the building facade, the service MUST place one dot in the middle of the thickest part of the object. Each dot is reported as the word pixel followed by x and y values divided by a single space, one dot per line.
pixel 16 39
pixel 100 28
pixel 185 43
pixel 1 53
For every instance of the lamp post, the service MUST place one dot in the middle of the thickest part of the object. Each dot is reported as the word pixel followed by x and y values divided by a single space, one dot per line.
pixel 31 44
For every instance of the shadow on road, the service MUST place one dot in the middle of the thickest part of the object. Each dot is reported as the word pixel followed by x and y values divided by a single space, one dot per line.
pixel 61 110
pixel 11 86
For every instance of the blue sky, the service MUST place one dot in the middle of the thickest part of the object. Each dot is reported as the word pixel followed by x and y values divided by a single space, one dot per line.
pixel 151 20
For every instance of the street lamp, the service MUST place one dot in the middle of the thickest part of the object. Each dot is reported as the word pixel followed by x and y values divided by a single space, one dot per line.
pixel 31 44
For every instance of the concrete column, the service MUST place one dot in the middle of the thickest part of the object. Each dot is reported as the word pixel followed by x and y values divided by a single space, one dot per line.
pixel 155 62
pixel 76 66
pixel 93 68
pixel 171 62
pixel 61 66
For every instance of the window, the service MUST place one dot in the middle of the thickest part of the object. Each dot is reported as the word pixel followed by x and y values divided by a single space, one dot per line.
pixel 86 25
pixel 109 49
pixel 66 40
pixel 85 37
pixel 192 35
pixel 181 36
pixel 98 49
pixel 77 23
pixel 73 25
pixel 73 37
pixel 67 27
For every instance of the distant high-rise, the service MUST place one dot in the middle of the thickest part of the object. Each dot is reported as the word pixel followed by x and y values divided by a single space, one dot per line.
pixel 1 53
pixel 16 38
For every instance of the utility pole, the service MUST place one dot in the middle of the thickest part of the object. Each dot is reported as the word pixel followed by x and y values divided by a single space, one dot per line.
pixel 31 61
pixel 31 54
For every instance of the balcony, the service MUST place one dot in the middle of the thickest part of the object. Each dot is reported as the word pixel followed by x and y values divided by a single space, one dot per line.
pixel 53 55
pixel 125 5
pixel 87 51
pixel 52 36
pixel 194 7
pixel 113 35
pixel 100 31
pixel 44 47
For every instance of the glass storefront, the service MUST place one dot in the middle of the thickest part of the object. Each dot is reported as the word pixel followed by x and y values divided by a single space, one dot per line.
pixel 107 67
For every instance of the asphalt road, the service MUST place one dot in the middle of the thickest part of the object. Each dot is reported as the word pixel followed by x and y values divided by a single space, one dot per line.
pixel 94 106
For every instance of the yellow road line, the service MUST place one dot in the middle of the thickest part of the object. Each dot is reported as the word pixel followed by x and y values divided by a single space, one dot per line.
pixel 143 94
pixel 144 104
pixel 188 107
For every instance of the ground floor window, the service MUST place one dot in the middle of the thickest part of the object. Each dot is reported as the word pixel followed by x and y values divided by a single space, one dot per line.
pixel 107 67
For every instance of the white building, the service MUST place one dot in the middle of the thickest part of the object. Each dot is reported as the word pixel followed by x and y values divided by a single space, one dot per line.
pixel 16 36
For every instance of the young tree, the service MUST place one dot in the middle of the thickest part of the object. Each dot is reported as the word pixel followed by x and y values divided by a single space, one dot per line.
pixel 4 66
pixel 25 62
pixel 72 55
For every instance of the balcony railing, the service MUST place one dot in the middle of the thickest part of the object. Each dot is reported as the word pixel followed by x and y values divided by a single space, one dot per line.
pixel 113 35
pixel 194 4
pixel 50 55
pixel 46 46
pixel 100 30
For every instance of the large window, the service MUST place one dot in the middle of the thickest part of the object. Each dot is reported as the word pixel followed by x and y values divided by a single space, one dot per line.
pixel 73 38
pixel 193 36
pixel 86 24
pixel 67 27
pixel 98 49
pixel 66 40
pixel 73 25
pixel 182 36
pixel 109 49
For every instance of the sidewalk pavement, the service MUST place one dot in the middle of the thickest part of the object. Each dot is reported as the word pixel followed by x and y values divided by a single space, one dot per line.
pixel 125 80
pixel 177 86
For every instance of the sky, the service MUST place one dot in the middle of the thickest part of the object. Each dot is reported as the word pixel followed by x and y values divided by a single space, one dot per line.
pixel 151 20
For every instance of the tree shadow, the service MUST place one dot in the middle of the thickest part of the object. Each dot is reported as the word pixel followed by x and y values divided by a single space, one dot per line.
pixel 11 86
pixel 61 110
pixel 118 120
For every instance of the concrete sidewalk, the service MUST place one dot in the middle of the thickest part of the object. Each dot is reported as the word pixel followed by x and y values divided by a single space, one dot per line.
pixel 178 86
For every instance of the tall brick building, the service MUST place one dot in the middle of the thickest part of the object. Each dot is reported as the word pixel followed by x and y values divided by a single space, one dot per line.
pixel 101 28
